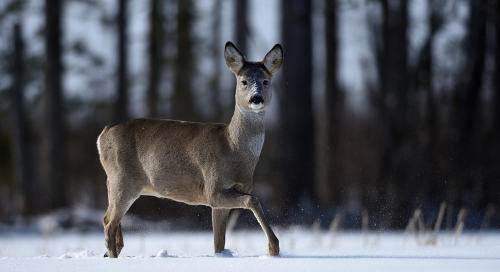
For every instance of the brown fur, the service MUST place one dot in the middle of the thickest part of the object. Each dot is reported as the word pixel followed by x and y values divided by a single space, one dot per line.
pixel 194 163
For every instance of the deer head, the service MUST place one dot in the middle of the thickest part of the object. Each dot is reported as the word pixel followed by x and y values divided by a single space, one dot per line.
pixel 253 79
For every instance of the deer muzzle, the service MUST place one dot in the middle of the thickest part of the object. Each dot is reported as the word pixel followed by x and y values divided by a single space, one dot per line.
pixel 256 99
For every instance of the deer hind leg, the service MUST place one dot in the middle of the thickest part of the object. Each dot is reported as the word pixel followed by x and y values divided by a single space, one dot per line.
pixel 231 198
pixel 112 226
pixel 119 240
pixel 219 222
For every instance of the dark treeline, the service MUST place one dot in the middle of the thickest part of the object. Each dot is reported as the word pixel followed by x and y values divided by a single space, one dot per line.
pixel 428 130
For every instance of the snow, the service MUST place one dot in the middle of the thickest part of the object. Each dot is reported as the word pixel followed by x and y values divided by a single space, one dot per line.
pixel 301 250
pixel 162 254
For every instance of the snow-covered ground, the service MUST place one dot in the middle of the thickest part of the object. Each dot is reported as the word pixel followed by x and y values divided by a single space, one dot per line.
pixel 301 250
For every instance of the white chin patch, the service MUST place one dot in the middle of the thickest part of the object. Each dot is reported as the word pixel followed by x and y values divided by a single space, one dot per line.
pixel 256 107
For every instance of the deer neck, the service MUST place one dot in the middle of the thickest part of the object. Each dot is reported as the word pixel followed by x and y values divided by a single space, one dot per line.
pixel 246 131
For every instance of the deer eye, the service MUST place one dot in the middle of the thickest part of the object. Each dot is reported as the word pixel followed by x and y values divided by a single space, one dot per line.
pixel 266 82
pixel 244 82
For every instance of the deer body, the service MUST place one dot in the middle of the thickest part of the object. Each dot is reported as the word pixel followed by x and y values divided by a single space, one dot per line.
pixel 194 163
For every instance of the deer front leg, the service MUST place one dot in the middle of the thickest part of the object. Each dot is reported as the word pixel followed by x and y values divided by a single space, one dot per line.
pixel 273 245
pixel 231 198
pixel 219 222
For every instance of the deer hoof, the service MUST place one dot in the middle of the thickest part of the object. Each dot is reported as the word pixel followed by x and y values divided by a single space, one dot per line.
pixel 273 248
pixel 110 254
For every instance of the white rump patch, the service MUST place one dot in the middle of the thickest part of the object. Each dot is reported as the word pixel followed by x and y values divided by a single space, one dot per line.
pixel 98 140
pixel 256 143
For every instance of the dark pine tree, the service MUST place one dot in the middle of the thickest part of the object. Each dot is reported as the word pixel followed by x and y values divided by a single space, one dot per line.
pixel 52 162
pixel 156 34
pixel 296 116
pixel 121 113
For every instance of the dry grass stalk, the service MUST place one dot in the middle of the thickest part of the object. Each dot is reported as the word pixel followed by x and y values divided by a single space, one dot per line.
pixel 292 238
pixel 409 228
pixel 490 211
pixel 332 230
pixel 233 218
pixel 433 239
pixel 417 218
pixel 449 219
pixel 439 220
pixel 420 220
pixel 376 242
pixel 412 227
pixel 278 230
pixel 235 239
pixel 142 241
pixel 316 228
pixel 460 224
pixel 365 221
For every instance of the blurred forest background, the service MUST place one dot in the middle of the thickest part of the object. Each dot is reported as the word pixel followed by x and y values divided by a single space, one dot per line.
pixel 381 106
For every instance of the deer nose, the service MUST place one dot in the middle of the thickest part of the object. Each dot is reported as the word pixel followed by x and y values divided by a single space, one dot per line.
pixel 256 99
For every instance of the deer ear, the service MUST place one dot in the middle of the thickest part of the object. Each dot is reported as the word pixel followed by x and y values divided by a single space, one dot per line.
pixel 273 59
pixel 234 58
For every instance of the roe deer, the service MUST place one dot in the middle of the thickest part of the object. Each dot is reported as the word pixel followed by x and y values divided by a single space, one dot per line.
pixel 194 163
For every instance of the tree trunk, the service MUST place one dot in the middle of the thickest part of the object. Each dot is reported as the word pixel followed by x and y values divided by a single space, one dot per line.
pixel 241 29
pixel 491 162
pixel 466 105
pixel 215 86
pixel 23 171
pixel 53 138
pixel 296 116
pixel 328 185
pixel 155 54
pixel 497 73
pixel 430 183
pixel 182 98
pixel 392 59
pixel 121 114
